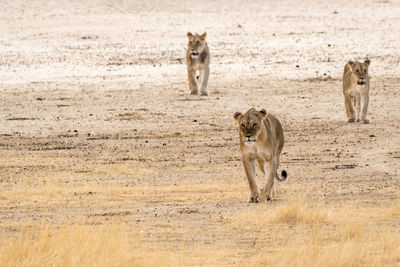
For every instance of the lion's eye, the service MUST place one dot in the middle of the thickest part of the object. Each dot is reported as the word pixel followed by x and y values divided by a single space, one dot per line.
pixel 254 125
pixel 242 125
pixel 357 71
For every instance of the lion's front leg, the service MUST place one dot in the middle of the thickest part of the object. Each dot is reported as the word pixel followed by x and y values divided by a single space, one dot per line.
pixel 358 108
pixel 349 108
pixel 204 80
pixel 364 103
pixel 249 167
pixel 192 82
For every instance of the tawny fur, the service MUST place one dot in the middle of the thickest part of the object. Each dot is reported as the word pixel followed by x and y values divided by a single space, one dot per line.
pixel 198 63
pixel 356 85
pixel 261 139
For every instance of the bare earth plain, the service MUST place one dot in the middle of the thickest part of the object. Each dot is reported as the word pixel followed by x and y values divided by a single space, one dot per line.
pixel 105 158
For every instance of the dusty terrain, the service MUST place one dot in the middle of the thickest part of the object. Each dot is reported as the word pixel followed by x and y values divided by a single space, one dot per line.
pixel 98 129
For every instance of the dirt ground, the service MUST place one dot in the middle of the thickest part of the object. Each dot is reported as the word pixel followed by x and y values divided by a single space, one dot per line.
pixel 98 127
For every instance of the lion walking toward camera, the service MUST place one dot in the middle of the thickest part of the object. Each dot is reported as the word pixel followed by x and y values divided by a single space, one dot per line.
pixel 356 90
pixel 198 63
pixel 261 139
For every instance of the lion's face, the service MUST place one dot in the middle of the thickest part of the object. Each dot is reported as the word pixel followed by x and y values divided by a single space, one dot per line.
pixel 196 44
pixel 250 125
pixel 360 70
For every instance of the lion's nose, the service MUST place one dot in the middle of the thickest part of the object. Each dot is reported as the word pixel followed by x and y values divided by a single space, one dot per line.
pixel 248 135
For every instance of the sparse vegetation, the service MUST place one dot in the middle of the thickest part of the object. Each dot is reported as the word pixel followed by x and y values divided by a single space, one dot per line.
pixel 106 160
pixel 299 213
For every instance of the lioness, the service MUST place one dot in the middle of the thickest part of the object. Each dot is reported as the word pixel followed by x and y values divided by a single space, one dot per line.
pixel 261 139
pixel 198 61
pixel 356 89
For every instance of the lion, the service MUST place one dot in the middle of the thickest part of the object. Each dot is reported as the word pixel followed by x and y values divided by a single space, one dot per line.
pixel 261 139
pixel 198 63
pixel 356 90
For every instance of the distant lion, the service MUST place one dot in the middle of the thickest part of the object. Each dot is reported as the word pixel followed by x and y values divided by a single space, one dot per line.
pixel 261 139
pixel 198 63
pixel 356 90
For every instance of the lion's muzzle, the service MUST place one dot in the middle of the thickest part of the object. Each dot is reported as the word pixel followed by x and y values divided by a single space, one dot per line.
pixel 194 54
pixel 361 82
pixel 249 141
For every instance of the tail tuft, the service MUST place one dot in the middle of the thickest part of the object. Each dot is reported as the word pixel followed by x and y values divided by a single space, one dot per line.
pixel 283 178
pixel 284 175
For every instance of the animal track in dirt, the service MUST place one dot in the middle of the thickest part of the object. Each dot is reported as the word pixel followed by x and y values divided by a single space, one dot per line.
pixel 111 214
pixel 21 119
pixel 344 166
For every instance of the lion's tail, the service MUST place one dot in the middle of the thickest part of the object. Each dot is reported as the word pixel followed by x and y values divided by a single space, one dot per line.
pixel 283 178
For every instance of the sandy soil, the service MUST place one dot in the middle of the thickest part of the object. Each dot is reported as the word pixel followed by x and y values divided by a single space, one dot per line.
pixel 98 125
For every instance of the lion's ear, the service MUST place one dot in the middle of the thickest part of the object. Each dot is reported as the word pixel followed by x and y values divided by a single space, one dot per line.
pixel 237 116
pixel 189 35
pixel 262 114
pixel 204 35
pixel 367 61
pixel 351 63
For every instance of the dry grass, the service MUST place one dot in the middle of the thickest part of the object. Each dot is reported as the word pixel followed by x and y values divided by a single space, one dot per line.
pixel 79 245
pixel 299 234
pixel 53 191
pixel 68 246
pixel 106 245
pixel 281 234
pixel 347 246
pixel 103 145
pixel 289 214
pixel 356 240
pixel 289 235
pixel 298 213
pixel 393 211
pixel 3 195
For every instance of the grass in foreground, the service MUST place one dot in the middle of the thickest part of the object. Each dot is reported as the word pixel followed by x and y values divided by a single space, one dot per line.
pixel 303 235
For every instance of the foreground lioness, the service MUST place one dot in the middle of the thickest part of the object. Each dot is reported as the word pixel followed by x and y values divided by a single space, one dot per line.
pixel 261 139
pixel 356 90
pixel 198 61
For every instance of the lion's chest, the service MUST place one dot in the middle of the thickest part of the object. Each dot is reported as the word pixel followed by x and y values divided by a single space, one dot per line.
pixel 256 153
pixel 196 65
pixel 359 90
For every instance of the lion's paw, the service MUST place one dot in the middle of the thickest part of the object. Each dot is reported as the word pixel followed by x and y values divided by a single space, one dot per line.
pixel 254 199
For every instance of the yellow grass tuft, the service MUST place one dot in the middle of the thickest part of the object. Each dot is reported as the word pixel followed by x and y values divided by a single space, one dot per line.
pixel 288 214
pixel 76 245
pixel 299 213
pixel 67 246
pixel 350 231
pixel 372 249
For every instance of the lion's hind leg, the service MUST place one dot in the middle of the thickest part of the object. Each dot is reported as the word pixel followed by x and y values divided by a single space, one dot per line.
pixel 270 174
